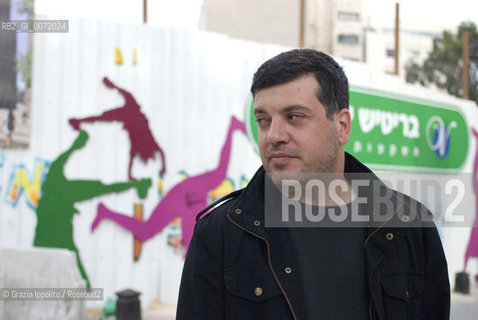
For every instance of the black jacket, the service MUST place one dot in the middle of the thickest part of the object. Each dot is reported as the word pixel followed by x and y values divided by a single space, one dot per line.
pixel 237 269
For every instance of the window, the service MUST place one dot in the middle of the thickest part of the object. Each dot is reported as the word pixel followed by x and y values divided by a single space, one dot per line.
pixel 348 16
pixel 348 39
pixel 390 53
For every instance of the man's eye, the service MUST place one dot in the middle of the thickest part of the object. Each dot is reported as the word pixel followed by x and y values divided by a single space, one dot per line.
pixel 260 120
pixel 295 117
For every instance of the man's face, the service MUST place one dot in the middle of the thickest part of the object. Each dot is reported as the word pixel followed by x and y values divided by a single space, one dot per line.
pixel 294 133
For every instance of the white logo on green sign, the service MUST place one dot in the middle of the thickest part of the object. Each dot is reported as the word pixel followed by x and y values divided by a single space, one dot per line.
pixel 438 135
pixel 399 133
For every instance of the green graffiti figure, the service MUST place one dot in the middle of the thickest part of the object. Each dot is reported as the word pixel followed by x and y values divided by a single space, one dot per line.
pixel 56 205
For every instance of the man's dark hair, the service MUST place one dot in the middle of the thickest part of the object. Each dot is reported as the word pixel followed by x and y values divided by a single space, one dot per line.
pixel 333 90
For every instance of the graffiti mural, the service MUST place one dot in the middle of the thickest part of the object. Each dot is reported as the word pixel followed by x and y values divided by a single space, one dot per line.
pixel 47 191
pixel 59 195
pixel 175 239
pixel 226 187
pixel 22 182
pixel 2 158
pixel 185 199
pixel 134 122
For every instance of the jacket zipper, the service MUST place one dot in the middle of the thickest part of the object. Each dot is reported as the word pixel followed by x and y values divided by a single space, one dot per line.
pixel 370 310
pixel 365 245
pixel 270 263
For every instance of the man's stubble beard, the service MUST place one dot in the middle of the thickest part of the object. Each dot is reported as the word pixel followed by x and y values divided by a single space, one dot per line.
pixel 325 162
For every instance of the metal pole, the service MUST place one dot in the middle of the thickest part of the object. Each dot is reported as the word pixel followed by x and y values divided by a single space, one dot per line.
pixel 145 11
pixel 466 57
pixel 301 23
pixel 397 35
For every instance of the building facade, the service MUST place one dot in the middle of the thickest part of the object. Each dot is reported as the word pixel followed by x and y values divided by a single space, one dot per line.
pixel 342 28
pixel 268 21
pixel 332 26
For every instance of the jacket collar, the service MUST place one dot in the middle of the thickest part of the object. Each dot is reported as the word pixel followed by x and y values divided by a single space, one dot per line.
pixel 247 209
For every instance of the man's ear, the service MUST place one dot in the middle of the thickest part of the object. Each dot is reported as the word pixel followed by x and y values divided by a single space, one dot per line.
pixel 343 123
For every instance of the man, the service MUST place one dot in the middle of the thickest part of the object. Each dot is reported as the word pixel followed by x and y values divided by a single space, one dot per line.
pixel 239 268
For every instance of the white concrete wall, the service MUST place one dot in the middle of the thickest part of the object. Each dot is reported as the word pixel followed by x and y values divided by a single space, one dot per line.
pixel 188 84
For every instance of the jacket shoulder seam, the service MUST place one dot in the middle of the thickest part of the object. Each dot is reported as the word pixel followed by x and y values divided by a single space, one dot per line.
pixel 218 204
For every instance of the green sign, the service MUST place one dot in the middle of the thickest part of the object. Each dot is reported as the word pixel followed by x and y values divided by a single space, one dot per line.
pixel 399 133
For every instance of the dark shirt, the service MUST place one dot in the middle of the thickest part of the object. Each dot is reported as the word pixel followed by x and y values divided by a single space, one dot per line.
pixel 331 265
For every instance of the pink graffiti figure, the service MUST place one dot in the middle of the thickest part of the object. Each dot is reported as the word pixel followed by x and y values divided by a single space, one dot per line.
pixel 185 199
pixel 135 122
pixel 472 250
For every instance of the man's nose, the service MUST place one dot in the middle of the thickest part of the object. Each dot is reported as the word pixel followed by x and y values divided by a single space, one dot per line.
pixel 278 133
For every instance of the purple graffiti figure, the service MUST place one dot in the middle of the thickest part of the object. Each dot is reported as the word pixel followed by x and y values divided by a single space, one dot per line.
pixel 135 122
pixel 185 199
pixel 472 250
